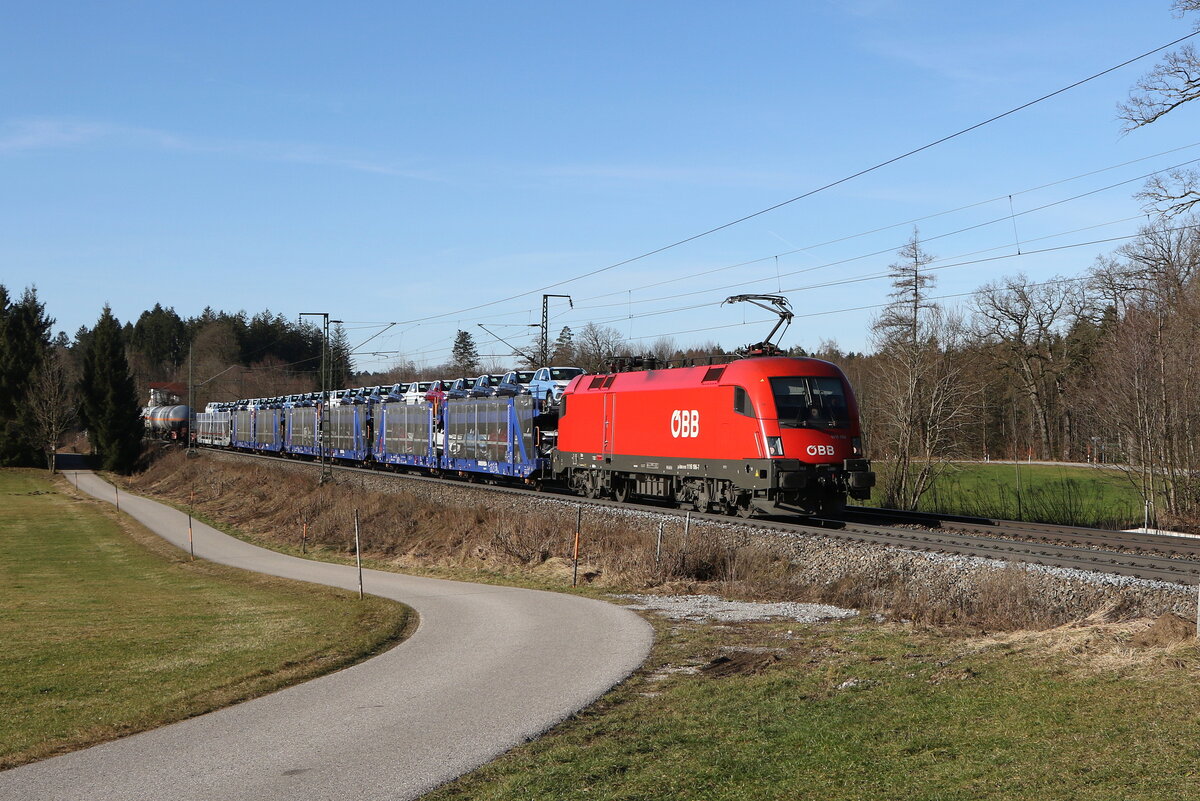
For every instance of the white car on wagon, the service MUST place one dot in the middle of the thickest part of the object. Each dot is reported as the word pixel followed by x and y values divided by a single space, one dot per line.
pixel 549 382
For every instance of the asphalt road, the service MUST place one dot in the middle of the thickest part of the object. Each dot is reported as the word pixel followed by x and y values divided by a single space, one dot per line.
pixel 488 668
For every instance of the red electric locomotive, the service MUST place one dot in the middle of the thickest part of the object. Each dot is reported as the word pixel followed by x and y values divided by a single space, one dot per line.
pixel 742 437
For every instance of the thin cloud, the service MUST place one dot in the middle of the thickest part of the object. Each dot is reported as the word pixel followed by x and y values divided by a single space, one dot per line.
pixel 26 135
pixel 980 62
pixel 43 134
pixel 684 175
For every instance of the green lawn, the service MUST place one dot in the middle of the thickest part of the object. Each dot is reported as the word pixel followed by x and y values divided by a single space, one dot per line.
pixel 1045 493
pixel 858 711
pixel 107 630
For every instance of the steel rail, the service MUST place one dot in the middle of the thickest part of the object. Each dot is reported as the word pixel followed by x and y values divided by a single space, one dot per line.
pixel 1165 544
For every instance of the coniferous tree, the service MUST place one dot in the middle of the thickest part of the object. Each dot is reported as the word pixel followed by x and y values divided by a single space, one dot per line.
pixel 562 352
pixel 464 356
pixel 161 336
pixel 341 363
pixel 109 407
pixel 24 343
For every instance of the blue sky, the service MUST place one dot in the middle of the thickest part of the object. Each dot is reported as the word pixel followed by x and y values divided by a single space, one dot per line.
pixel 391 162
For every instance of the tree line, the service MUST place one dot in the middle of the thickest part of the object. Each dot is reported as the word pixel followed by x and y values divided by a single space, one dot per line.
pixel 47 388
pixel 97 382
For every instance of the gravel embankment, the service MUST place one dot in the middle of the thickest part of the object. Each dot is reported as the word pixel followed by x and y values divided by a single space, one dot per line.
pixel 702 608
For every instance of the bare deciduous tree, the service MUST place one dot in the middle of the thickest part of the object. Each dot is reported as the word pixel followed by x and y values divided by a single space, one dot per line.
pixel 596 345
pixel 1026 322
pixel 919 397
pixel 1173 82
pixel 1169 196
pixel 1146 388
pixel 52 405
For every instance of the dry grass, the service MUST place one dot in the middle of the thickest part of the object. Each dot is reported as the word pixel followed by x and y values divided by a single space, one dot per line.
pixel 1142 649
pixel 412 527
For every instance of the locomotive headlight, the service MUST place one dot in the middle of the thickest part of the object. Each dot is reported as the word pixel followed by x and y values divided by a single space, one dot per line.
pixel 856 446
pixel 775 446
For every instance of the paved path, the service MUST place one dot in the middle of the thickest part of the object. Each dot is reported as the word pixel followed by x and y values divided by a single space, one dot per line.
pixel 488 668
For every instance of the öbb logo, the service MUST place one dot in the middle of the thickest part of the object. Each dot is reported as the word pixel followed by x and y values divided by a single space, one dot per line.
pixel 685 423
pixel 820 450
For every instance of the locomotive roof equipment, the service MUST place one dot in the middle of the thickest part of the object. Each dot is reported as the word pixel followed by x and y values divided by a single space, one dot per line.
pixel 782 308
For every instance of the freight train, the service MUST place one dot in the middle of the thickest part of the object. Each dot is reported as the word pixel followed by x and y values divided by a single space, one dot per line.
pixel 755 435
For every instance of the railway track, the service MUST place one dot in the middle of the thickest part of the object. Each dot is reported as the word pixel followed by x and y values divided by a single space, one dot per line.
pixel 1181 547
pixel 1143 556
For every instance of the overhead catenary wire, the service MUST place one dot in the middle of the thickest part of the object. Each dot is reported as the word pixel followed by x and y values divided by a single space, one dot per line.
pixel 924 218
pixel 933 267
pixel 814 191
pixel 436 347
pixel 891 248
pixel 691 276
pixel 841 262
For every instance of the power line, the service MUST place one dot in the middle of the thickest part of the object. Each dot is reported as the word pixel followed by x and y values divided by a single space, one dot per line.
pixel 817 190
pixel 879 275
pixel 923 218
pixel 840 262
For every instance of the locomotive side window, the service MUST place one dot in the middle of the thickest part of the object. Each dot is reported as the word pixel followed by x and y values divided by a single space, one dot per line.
pixel 810 402
pixel 741 402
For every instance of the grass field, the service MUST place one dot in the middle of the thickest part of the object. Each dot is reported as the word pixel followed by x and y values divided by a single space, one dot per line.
pixel 1063 494
pixel 861 711
pixel 106 630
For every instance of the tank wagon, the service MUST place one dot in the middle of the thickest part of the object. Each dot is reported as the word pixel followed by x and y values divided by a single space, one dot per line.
pixel 166 422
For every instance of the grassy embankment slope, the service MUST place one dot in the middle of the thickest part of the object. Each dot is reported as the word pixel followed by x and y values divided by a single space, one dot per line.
pixel 107 630
pixel 1064 494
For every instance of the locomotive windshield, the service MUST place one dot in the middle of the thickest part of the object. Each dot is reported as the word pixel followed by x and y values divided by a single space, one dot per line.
pixel 803 402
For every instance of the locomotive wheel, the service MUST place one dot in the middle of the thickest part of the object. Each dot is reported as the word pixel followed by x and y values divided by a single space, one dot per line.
pixel 744 508
pixel 832 504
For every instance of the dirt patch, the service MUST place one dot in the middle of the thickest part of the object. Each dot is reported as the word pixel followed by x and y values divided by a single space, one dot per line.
pixel 741 663
pixel 1168 630
pixel 952 674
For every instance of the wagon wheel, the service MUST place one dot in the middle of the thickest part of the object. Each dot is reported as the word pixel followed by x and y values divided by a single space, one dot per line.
pixel 745 509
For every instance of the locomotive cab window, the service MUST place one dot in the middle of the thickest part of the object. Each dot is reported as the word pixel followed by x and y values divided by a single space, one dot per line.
pixel 741 402
pixel 810 402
